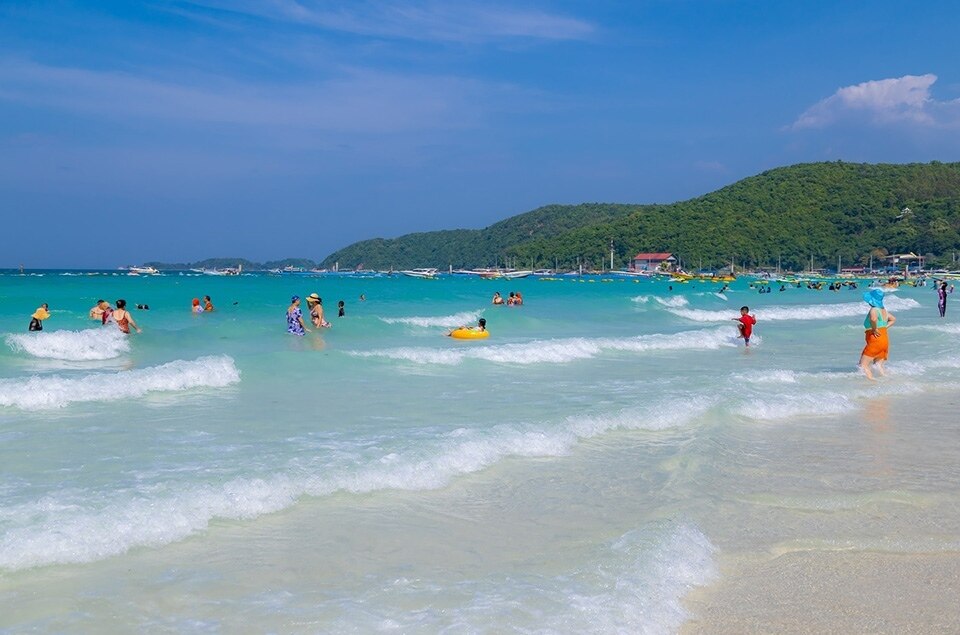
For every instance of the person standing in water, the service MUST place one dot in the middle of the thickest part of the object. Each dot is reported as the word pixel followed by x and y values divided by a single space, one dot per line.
pixel 123 318
pixel 207 304
pixel 942 298
pixel 875 325
pixel 41 314
pixel 295 323
pixel 745 324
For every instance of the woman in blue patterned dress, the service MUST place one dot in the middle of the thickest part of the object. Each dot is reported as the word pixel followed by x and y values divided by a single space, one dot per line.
pixel 295 323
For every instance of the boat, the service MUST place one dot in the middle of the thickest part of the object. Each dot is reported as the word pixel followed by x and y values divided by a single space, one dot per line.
pixel 142 271
pixel 426 273
pixel 226 271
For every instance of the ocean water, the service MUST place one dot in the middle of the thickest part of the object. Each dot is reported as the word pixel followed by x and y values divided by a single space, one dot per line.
pixel 602 454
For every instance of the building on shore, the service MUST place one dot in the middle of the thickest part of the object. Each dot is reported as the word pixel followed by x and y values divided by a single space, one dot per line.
pixel 654 262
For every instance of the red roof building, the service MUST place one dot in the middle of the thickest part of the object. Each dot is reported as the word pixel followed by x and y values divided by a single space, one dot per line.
pixel 653 261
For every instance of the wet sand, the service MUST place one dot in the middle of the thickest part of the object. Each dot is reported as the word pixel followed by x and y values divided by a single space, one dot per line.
pixel 832 593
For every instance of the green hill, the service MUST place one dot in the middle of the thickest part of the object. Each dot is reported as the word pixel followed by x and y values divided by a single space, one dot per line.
pixel 473 247
pixel 822 210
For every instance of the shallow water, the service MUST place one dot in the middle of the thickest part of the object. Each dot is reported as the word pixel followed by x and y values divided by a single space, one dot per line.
pixel 579 471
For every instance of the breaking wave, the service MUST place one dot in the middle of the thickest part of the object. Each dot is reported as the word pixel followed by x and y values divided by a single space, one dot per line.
pixel 804 312
pixel 74 346
pixel 560 350
pixel 41 393
pixel 457 319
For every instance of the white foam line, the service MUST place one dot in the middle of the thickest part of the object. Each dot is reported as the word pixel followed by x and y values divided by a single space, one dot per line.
pixel 457 319
pixel 800 312
pixel 66 532
pixel 88 344
pixel 561 350
pixel 39 393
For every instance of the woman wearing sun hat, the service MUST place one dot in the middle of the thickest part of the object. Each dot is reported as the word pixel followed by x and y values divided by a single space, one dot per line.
pixel 875 325
pixel 41 314
pixel 315 305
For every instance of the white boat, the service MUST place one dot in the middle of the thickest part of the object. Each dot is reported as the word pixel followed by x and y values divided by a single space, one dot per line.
pixel 142 271
pixel 226 271
pixel 512 275
pixel 422 272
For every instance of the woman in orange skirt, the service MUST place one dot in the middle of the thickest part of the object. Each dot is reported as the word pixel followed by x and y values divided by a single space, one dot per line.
pixel 875 325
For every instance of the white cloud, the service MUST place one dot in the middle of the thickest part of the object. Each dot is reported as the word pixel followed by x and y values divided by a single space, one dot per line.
pixel 430 20
pixel 904 99
pixel 358 101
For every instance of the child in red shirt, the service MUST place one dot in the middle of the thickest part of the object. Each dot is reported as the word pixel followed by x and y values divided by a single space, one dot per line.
pixel 745 326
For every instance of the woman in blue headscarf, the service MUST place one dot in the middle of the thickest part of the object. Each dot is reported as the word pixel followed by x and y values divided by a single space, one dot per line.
pixel 875 326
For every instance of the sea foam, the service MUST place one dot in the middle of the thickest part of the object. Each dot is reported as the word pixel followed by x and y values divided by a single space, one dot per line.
pixel 39 393
pixel 85 345
pixel 457 319
pixel 559 351
pixel 673 301
pixel 55 531
pixel 636 584
pixel 799 312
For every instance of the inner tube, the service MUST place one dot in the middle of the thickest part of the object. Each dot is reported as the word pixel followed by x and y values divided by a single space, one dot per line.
pixel 469 334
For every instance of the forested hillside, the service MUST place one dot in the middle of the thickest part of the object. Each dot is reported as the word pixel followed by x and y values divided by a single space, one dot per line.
pixel 824 210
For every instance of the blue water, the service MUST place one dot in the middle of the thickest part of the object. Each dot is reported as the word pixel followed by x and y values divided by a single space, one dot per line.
pixel 601 454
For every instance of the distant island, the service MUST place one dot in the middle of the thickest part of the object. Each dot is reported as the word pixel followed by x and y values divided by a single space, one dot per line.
pixel 784 217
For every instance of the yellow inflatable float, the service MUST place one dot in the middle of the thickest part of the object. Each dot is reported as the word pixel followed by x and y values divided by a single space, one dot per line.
pixel 469 334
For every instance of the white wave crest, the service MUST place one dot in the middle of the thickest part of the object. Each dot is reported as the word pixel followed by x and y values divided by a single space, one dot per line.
pixel 457 319
pixel 39 393
pixel 52 532
pixel 805 312
pixel 674 301
pixel 85 345
pixel 561 350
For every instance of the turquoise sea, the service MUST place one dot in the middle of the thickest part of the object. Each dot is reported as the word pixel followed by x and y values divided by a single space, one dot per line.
pixel 610 448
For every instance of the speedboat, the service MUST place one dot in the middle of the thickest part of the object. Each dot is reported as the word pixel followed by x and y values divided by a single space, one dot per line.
pixel 422 272
pixel 142 271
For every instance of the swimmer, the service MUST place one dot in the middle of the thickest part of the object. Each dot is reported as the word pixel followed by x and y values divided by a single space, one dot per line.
pixel 480 327
pixel 496 298
pixel 942 298
pixel 96 312
pixel 41 314
pixel 341 309
pixel 207 303
pixel 195 306
pixel 745 324
pixel 315 305
pixel 123 318
pixel 875 324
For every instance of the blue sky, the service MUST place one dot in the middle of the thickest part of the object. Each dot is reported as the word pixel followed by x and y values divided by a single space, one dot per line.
pixel 175 130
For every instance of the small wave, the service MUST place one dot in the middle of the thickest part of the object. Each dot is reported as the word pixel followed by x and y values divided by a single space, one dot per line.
pixel 784 376
pixel 457 319
pixel 60 532
pixel 561 350
pixel 74 346
pixel 674 301
pixel 40 393
pixel 789 406
pixel 800 312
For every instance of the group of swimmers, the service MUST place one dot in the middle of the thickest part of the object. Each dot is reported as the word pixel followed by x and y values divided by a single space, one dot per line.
pixel 206 307
pixel 295 322
pixel 514 299
pixel 102 311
